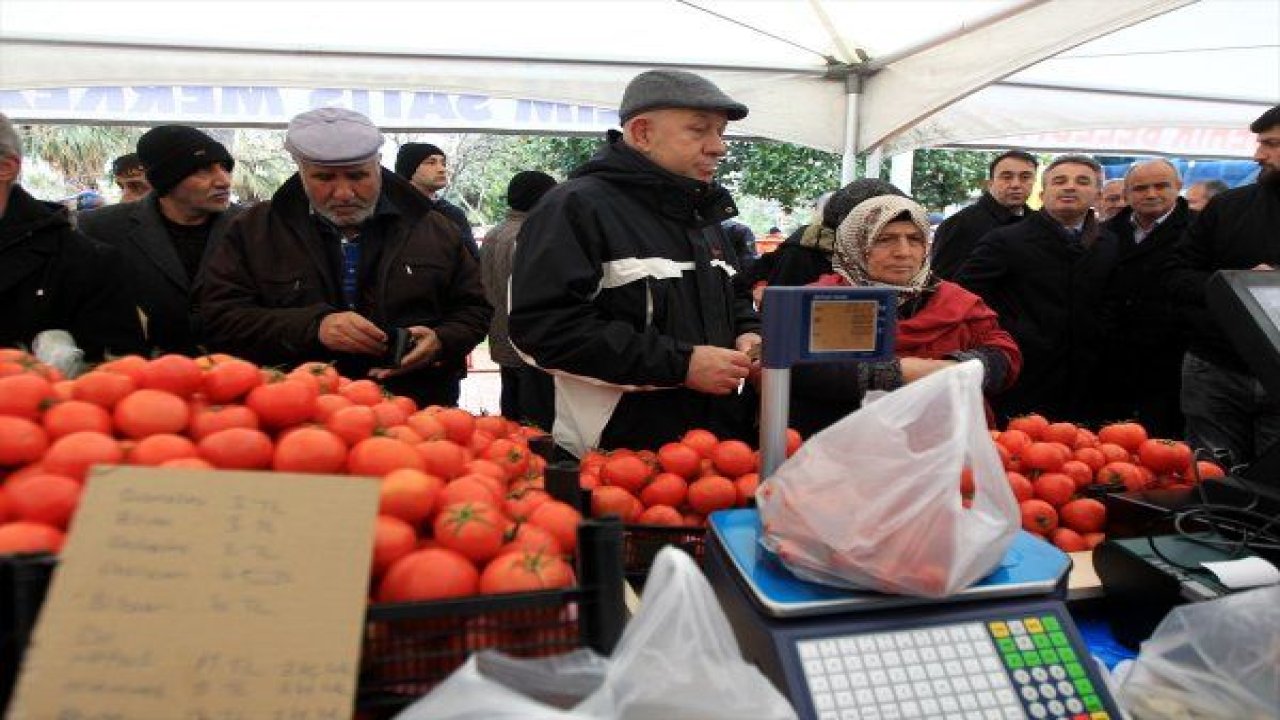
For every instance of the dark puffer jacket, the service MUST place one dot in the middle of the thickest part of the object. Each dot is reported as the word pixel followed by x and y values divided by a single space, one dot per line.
pixel 619 273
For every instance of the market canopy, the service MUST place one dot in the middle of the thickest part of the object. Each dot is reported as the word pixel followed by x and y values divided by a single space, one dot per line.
pixel 840 75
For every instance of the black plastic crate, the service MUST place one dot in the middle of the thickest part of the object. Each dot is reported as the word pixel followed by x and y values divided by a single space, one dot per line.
pixel 640 543
pixel 408 648
pixel 24 580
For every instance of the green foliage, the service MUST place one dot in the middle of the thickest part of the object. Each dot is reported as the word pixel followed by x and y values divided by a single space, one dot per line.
pixel 80 153
pixel 942 177
pixel 484 164
pixel 790 174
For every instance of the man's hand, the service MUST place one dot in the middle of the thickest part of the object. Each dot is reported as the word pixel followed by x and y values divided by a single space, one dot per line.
pixel 716 370
pixel 751 344
pixel 351 332
pixel 425 345
pixel 914 368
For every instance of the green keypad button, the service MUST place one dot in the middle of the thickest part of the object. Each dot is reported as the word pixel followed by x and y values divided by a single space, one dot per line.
pixel 1050 623
pixel 1049 656
pixel 1007 645
pixel 1031 658
pixel 1013 661
pixel 1075 671
pixel 1067 654
pixel 1059 639
pixel 1084 686
pixel 1092 703
pixel 1041 641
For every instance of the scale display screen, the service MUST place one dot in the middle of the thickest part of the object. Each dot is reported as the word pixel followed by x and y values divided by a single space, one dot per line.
pixel 843 325
pixel 827 324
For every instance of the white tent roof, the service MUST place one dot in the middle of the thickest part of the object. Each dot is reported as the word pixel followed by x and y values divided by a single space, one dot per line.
pixel 943 71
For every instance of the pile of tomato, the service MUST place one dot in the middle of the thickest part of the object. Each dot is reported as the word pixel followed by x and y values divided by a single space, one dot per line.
pixel 680 484
pixel 462 508
pixel 1054 467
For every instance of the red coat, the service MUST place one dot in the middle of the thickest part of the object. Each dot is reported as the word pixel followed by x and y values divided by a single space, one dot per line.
pixel 952 320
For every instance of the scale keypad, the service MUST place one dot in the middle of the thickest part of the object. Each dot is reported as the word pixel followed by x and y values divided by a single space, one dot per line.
pixel 1007 669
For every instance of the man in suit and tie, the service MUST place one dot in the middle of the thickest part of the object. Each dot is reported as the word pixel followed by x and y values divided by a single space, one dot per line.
pixel 1046 276
pixel 166 235
pixel 1149 337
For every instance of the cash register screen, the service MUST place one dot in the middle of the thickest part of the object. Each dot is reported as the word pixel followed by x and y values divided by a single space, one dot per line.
pixel 1268 297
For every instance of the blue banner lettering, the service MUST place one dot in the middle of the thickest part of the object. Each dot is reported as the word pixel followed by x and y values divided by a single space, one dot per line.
pixel 251 101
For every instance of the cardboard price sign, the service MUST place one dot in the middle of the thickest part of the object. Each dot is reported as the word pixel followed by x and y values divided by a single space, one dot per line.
pixel 199 595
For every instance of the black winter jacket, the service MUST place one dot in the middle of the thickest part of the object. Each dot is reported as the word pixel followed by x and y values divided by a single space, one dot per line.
pixel 54 278
pixel 619 272
pixel 959 234
pixel 1238 230
pixel 156 274
pixel 1050 295
pixel 274 277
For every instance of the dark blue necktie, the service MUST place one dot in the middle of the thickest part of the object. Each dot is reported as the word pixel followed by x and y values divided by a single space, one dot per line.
pixel 351 271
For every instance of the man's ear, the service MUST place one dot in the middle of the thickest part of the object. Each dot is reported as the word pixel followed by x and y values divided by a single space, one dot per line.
pixel 638 132
pixel 10 169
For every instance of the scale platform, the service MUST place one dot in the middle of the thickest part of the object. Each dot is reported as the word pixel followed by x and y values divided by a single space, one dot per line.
pixel 1030 567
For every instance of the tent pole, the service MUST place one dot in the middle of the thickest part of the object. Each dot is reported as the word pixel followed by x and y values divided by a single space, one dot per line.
pixel 849 160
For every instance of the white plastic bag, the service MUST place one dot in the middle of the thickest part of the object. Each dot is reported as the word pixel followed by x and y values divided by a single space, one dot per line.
pixel 58 349
pixel 1217 660
pixel 677 660
pixel 873 502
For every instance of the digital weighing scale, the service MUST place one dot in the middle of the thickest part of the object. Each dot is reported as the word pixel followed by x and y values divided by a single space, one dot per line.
pixel 1004 649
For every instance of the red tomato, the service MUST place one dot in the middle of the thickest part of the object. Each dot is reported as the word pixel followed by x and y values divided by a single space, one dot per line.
pixel 704 441
pixel 627 472
pixel 175 374
pixel 473 529
pixel 378 456
pixel 661 515
pixel 733 458
pixel 73 454
pixel 230 380
pixel 614 500
pixel 282 404
pixel 1128 435
pixel 409 494
pixel 430 574
pixel 1038 516
pixel 310 450
pixel 1085 515
pixel 160 448
pixel 102 388
pixel 237 448
pixel 29 537
pixel 151 412
pixel 75 416
pixel 559 519
pixel 393 539
pixel 1054 488
pixel 710 493
pixel 1068 540
pixel 665 489
pixel 206 421
pixel 524 571
pixel 25 395
pixel 21 441
pixel 47 499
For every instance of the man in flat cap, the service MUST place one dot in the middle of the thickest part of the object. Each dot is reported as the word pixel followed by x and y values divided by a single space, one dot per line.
pixel 166 236
pixel 53 277
pixel 343 259
pixel 622 281
pixel 1228 411
pixel 426 167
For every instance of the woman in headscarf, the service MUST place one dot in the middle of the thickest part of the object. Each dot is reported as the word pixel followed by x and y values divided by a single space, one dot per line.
pixel 884 242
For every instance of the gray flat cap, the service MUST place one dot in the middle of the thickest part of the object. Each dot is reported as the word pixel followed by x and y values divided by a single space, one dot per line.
pixel 657 89
pixel 332 136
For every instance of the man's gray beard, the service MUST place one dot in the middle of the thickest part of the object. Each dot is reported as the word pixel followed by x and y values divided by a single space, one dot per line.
pixel 344 224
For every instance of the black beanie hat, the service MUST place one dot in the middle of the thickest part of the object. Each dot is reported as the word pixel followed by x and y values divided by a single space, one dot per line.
pixel 527 187
pixel 171 153
pixel 411 156
pixel 852 195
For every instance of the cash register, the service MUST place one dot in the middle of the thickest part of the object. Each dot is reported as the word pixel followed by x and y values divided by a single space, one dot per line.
pixel 1003 649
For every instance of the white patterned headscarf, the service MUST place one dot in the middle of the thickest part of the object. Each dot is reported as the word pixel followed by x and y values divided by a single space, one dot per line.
pixel 860 228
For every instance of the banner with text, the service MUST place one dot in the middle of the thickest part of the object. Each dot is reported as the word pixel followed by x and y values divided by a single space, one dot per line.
pixel 251 106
